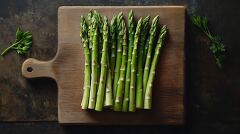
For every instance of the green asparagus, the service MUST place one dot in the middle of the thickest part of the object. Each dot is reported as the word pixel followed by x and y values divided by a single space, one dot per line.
pixel 152 35
pixel 120 61
pixel 121 81
pixel 99 22
pixel 111 62
pixel 132 99
pixel 119 53
pixel 94 64
pixel 148 94
pixel 104 68
pixel 131 32
pixel 139 89
pixel 87 68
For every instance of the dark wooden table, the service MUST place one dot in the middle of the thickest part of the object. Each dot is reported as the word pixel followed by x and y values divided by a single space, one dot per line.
pixel 212 95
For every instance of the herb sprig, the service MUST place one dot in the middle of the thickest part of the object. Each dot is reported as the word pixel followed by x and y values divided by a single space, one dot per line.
pixel 217 47
pixel 21 44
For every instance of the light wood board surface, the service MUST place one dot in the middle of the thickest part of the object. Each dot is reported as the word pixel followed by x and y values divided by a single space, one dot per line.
pixel 67 68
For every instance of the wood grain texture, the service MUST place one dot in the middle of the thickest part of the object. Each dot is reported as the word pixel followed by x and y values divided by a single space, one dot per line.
pixel 67 69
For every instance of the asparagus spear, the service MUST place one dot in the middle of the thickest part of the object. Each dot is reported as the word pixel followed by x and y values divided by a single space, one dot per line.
pixel 132 98
pixel 121 81
pixel 152 35
pixel 111 57
pixel 113 29
pixel 139 90
pixel 119 53
pixel 148 94
pixel 94 64
pixel 87 68
pixel 104 68
pixel 131 32
pixel 109 95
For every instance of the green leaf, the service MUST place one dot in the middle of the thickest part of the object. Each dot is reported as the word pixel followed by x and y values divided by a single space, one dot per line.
pixel 22 42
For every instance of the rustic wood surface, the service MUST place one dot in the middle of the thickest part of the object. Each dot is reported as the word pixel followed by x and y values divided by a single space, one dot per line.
pixel 67 69
pixel 211 96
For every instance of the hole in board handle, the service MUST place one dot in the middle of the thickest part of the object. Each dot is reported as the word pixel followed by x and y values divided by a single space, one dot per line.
pixel 29 69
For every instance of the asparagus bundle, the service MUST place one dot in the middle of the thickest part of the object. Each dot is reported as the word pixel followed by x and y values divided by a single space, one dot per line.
pixel 120 62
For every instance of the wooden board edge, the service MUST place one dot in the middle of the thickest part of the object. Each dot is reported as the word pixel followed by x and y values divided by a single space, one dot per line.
pixel 178 123
pixel 98 7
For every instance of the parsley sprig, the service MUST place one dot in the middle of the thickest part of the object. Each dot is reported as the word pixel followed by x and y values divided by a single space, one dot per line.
pixel 216 46
pixel 21 44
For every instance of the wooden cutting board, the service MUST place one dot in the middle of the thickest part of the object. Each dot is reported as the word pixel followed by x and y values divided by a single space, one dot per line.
pixel 68 65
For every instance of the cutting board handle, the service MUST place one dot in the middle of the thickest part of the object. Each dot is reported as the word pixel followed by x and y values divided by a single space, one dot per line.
pixel 33 68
